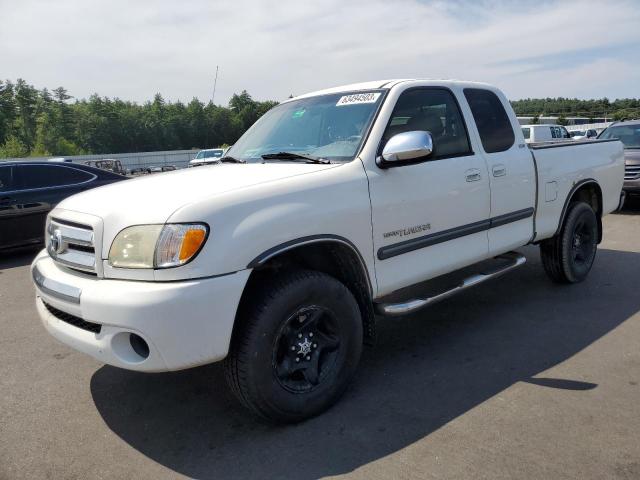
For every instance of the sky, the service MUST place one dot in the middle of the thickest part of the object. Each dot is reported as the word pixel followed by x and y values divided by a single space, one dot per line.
pixel 132 49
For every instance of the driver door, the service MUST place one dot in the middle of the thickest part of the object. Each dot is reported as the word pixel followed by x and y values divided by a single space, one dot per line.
pixel 429 217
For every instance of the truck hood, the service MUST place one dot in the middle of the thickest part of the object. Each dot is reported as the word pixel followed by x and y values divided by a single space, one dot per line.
pixel 153 198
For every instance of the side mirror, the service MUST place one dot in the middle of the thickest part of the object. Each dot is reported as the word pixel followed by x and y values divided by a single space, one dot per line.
pixel 407 146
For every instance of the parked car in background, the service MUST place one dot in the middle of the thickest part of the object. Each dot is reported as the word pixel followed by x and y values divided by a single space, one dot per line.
pixel 29 190
pixel 544 133
pixel 206 157
pixel 161 168
pixel 629 134
pixel 583 134
pixel 108 164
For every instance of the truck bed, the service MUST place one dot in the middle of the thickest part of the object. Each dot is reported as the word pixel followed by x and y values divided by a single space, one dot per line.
pixel 600 160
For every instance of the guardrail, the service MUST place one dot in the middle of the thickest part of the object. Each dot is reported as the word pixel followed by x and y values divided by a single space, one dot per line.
pixel 589 126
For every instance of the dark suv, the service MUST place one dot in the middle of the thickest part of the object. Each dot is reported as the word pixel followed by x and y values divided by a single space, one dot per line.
pixel 629 134
pixel 29 190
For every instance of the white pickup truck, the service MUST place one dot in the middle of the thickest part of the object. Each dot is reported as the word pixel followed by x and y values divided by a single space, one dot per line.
pixel 319 218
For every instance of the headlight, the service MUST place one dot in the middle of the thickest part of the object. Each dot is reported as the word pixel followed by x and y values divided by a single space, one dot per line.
pixel 157 246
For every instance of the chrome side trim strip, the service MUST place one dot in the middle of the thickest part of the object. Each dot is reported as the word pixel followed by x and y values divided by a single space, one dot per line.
pixel 410 306
pixel 406 246
pixel 56 289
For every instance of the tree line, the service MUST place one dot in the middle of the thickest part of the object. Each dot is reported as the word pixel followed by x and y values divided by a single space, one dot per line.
pixel 621 109
pixel 41 122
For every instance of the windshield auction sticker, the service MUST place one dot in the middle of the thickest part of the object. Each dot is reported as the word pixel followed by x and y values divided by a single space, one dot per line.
pixel 370 97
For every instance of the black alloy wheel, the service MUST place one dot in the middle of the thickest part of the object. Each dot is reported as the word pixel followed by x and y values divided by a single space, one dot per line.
pixel 569 256
pixel 296 346
pixel 307 348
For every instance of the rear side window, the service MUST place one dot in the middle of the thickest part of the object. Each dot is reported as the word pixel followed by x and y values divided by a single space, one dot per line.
pixel 43 176
pixel 6 180
pixel 527 133
pixel 434 110
pixel 491 119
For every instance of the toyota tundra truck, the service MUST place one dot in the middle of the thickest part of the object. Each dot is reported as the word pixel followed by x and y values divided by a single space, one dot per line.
pixel 334 209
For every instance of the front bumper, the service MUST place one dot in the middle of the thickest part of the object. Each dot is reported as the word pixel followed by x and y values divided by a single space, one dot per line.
pixel 184 323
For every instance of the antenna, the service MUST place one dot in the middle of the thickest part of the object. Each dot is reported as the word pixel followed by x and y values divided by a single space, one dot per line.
pixel 215 82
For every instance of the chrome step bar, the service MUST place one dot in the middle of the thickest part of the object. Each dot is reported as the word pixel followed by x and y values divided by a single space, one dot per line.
pixel 403 308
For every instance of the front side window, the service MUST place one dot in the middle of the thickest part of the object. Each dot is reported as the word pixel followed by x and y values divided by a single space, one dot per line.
pixel 554 132
pixel 491 119
pixel 433 110
pixel 327 126
pixel 46 176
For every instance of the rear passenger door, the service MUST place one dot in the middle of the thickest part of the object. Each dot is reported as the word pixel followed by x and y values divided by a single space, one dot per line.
pixel 511 171
pixel 430 216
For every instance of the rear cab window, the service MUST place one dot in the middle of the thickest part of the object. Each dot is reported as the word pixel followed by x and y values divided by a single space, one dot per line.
pixel 436 111
pixel 492 121
pixel 526 132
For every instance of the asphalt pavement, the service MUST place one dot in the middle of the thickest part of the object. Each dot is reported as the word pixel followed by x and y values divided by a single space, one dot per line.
pixel 517 378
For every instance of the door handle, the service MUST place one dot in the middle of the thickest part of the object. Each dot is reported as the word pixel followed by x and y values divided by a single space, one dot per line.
pixel 499 170
pixel 472 175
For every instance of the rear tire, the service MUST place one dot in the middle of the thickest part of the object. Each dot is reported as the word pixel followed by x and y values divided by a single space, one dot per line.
pixel 296 346
pixel 569 256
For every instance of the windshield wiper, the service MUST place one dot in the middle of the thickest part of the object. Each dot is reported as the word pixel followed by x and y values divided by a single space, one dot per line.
pixel 231 160
pixel 294 156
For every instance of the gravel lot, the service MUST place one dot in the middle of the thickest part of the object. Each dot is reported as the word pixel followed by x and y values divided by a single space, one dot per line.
pixel 518 378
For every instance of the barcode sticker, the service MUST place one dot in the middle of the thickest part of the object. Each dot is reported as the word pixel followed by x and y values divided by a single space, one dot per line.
pixel 370 97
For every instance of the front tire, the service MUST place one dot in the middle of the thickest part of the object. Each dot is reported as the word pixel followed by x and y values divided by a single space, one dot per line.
pixel 569 256
pixel 296 347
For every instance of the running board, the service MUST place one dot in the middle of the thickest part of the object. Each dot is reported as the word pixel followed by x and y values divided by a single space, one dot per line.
pixel 402 308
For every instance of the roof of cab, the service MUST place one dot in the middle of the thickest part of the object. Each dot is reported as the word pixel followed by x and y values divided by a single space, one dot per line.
pixel 389 83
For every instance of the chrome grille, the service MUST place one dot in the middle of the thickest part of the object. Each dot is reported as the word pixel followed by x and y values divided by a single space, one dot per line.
pixel 631 172
pixel 71 244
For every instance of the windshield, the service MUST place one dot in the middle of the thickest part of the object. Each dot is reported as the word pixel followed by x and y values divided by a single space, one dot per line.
pixel 209 154
pixel 331 127
pixel 629 135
